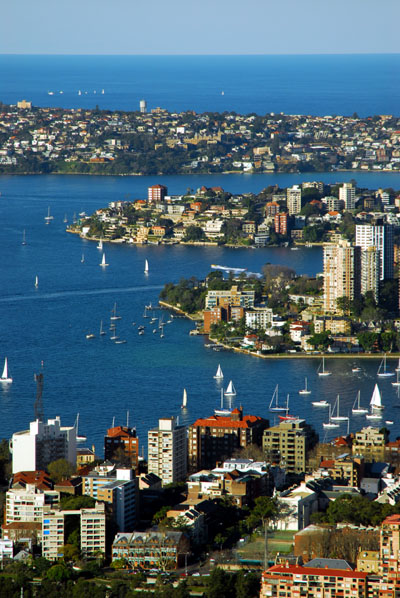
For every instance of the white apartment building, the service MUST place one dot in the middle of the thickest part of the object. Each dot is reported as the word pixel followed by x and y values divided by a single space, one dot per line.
pixel 347 194
pixel 332 203
pixel 43 443
pixel 259 318
pixel 167 451
pixel 370 270
pixel 381 237
pixel 293 199
pixel 29 504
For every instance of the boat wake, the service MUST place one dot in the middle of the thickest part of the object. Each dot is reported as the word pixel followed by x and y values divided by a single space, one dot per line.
pixel 82 293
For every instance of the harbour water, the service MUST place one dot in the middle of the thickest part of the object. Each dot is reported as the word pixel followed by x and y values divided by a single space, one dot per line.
pixel 146 376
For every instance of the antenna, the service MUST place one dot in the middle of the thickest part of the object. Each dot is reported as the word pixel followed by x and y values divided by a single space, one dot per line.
pixel 38 406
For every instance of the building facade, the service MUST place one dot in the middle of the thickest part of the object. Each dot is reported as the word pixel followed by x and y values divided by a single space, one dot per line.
pixel 43 443
pixel 293 199
pixel 122 441
pixel 341 273
pixel 380 236
pixel 347 195
pixel 288 443
pixel 167 451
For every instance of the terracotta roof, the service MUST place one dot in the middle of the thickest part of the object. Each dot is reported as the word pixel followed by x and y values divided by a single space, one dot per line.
pixel 297 570
pixel 392 520
pixel 327 463
pixel 39 478
pixel 23 525
pixel 120 431
pixel 218 421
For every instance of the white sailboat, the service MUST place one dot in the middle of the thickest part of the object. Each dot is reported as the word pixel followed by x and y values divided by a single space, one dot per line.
pixel 222 411
pixel 287 416
pixel 330 424
pixel 83 259
pixel 274 404
pixel 103 261
pixel 184 399
pixel 397 383
pixel 219 375
pixel 100 244
pixel 375 404
pixel 146 267
pixel 382 371
pixel 102 332
pixel 36 282
pixel 79 437
pixel 357 409
pixel 23 238
pixel 114 315
pixel 398 366
pixel 336 417
pixel 321 370
pixel 90 335
pixel 48 217
pixel 5 377
pixel 230 391
pixel 305 390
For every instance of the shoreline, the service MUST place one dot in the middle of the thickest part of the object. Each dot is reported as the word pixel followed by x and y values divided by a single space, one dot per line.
pixel 194 173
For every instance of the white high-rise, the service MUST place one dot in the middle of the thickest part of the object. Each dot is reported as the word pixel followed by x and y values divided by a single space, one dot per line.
pixel 381 237
pixel 167 451
pixel 43 443
pixel 370 269
pixel 347 194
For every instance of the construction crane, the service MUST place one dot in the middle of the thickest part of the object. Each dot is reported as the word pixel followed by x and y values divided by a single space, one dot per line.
pixel 38 402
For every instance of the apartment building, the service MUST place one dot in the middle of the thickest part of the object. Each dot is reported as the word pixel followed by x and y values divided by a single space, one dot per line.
pixel 370 443
pixel 259 317
pixel 122 443
pixel 341 273
pixel 28 504
pixel 293 199
pixel 149 550
pixel 288 444
pixel 380 236
pixel 370 271
pixel 167 451
pixel 232 297
pixel 43 443
pixel 216 437
pixel 156 193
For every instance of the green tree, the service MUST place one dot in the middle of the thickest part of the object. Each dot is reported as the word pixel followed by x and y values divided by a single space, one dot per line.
pixel 61 469
pixel 367 340
pixel 194 233
pixel 321 340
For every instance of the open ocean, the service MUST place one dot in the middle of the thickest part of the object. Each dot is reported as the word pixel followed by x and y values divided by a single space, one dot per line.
pixel 146 376
pixel 318 85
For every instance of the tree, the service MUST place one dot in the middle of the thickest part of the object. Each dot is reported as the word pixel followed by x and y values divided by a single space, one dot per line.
pixel 61 469
pixel 367 340
pixel 343 304
pixel 265 508
pixel 194 233
pixel 320 340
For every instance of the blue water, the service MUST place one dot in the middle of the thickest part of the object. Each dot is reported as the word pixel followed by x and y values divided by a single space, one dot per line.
pixel 318 85
pixel 145 376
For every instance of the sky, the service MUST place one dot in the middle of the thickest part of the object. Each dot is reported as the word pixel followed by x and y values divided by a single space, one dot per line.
pixel 199 27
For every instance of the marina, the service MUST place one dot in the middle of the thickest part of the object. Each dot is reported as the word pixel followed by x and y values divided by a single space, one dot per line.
pixel 49 323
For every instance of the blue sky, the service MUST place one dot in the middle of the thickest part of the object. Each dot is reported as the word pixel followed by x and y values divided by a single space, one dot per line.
pixel 199 27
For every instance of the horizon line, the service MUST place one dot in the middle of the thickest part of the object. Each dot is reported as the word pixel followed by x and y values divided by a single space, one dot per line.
pixel 208 54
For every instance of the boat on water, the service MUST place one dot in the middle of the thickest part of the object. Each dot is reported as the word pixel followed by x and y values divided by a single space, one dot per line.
pixel 65 219
pixel 184 399
pixel 382 370
pixel 101 332
pixel 287 416
pixel 79 437
pixel 120 341
pixel 222 411
pixel 23 238
pixel 305 390
pixel 355 369
pixel 219 374
pixel 36 282
pixel 114 336
pixel 100 244
pixel 230 391
pixel 330 424
pixel 357 409
pixel 335 415
pixel 321 370
pixel 146 267
pixel 274 404
pixel 397 383
pixel 375 404
pixel 322 403
pixel 90 335
pixel 389 422
pixel 83 259
pixel 114 316
pixel 103 263
pixel 5 377
pixel 49 216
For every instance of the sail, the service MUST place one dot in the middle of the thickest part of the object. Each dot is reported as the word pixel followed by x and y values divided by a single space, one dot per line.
pixel 5 370
pixel 219 373
pixel 184 400
pixel 146 266
pixel 376 399
pixel 231 389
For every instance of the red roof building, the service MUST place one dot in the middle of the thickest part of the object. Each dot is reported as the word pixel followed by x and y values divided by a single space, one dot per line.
pixel 122 443
pixel 216 437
